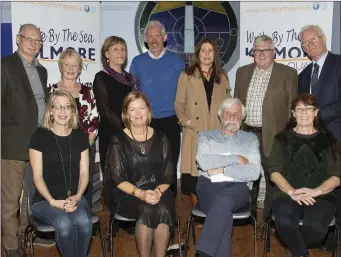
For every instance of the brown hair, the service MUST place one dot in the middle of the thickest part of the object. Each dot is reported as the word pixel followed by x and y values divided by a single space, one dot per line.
pixel 216 66
pixel 48 119
pixel 109 42
pixel 132 96
pixel 309 99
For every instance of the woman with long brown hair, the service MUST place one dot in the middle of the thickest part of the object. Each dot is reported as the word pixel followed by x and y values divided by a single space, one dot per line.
pixel 201 88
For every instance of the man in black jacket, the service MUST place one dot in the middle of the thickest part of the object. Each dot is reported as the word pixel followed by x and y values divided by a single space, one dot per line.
pixel 23 100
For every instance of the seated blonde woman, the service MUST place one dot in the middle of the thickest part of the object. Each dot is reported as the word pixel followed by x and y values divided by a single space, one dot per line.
pixel 305 168
pixel 59 157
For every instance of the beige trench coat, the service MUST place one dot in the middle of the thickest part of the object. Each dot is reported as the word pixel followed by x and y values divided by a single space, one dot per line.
pixel 191 104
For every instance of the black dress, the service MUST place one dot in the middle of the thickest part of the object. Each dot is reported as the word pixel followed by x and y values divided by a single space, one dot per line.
pixel 125 162
pixel 109 94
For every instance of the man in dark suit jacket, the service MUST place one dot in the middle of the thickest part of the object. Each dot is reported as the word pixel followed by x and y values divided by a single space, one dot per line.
pixel 266 89
pixel 322 78
pixel 327 87
pixel 23 100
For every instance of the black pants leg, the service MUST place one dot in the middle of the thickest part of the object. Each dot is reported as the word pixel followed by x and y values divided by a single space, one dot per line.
pixel 316 219
pixel 170 127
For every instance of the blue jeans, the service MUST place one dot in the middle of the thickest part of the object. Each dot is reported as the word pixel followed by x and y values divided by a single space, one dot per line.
pixel 73 230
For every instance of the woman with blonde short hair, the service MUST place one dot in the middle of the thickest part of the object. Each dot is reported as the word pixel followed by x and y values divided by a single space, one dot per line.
pixel 59 157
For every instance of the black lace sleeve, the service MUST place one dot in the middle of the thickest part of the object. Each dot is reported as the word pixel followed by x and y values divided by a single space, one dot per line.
pixel 167 162
pixel 115 162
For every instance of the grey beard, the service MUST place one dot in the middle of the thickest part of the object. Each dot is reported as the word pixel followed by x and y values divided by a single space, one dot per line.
pixel 230 127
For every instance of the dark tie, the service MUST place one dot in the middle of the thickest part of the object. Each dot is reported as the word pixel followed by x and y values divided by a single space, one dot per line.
pixel 314 79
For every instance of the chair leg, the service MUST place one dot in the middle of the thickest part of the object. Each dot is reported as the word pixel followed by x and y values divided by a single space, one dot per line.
pixel 254 221
pixel 336 241
pixel 111 241
pixel 179 236
pixel 30 236
pixel 99 229
pixel 267 238
pixel 193 230
pixel 187 234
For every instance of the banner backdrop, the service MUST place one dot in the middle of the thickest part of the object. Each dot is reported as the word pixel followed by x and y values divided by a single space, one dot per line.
pixel 63 25
pixel 282 21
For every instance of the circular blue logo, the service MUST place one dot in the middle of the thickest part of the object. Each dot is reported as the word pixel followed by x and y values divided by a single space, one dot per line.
pixel 87 8
pixel 316 6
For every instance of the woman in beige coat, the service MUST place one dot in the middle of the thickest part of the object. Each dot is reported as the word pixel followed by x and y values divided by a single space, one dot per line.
pixel 201 89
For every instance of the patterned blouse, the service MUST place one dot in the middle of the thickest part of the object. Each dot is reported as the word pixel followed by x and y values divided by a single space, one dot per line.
pixel 87 109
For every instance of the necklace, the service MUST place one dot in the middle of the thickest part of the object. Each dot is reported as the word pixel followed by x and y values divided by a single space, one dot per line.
pixel 68 188
pixel 143 149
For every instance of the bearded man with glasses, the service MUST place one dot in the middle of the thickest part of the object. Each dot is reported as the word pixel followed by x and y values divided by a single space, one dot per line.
pixel 322 78
pixel 266 88
pixel 23 100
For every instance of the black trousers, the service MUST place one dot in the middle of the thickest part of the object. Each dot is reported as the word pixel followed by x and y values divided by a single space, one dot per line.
pixel 171 128
pixel 256 184
pixel 316 219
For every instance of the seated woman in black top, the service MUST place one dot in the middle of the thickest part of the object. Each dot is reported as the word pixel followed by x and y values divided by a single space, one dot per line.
pixel 139 164
pixel 59 157
pixel 305 168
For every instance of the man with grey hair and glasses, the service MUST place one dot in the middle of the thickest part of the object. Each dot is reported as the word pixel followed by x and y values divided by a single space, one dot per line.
pixel 322 78
pixel 266 88
pixel 229 161
pixel 23 100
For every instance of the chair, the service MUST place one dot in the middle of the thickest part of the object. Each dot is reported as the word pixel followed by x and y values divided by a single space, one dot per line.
pixel 243 213
pixel 36 225
pixel 116 216
pixel 271 222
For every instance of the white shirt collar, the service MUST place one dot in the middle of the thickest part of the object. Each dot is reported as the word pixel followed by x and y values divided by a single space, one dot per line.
pixel 156 58
pixel 321 61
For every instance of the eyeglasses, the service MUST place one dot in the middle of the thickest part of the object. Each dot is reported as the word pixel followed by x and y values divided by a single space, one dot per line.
pixel 312 41
pixel 61 107
pixel 31 40
pixel 259 51
pixel 307 110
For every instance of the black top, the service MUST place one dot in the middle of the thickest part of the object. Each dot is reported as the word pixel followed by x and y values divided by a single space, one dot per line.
pixel 209 89
pixel 44 141
pixel 125 162
pixel 303 160
pixel 109 95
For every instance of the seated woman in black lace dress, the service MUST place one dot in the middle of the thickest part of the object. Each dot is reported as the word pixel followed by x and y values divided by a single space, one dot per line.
pixel 139 164
pixel 305 168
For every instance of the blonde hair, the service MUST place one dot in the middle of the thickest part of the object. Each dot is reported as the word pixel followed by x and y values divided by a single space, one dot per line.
pixel 48 119
pixel 132 96
pixel 69 53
